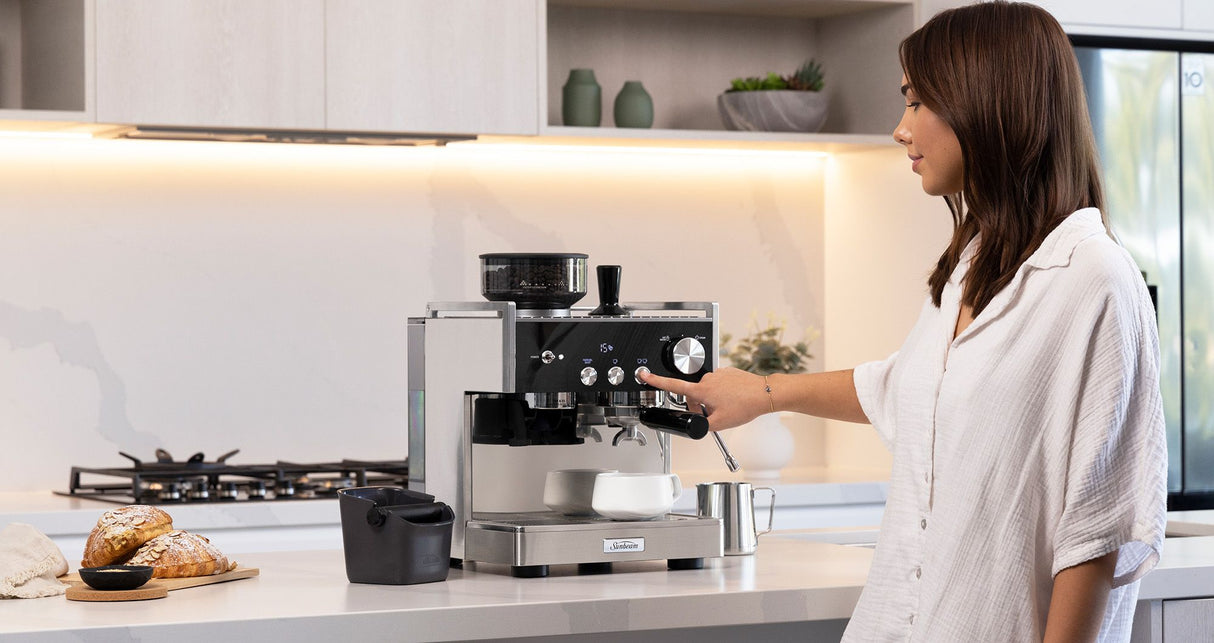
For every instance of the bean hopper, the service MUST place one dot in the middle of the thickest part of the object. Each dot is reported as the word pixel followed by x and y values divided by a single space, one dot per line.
pixel 504 390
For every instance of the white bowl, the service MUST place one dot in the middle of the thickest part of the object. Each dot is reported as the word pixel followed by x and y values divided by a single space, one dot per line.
pixel 570 491
pixel 773 110
pixel 635 496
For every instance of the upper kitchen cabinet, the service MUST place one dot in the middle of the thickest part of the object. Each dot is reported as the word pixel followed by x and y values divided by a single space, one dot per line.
pixel 46 59
pixel 1186 18
pixel 1198 15
pixel 457 66
pixel 686 52
pixel 211 63
pixel 1157 14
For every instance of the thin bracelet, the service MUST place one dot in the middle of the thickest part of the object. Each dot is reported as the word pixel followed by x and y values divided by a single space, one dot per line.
pixel 770 399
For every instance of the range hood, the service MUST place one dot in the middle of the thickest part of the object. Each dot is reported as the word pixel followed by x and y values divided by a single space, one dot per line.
pixel 289 136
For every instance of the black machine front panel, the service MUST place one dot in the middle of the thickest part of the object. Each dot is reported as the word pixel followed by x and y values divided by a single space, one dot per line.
pixel 599 344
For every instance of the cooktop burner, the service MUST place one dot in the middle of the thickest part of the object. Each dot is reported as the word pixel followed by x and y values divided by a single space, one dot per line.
pixel 167 481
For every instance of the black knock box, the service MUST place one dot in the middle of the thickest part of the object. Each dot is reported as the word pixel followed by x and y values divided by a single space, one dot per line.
pixel 393 536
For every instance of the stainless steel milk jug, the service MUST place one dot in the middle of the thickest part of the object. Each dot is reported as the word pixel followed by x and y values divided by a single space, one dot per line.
pixel 734 504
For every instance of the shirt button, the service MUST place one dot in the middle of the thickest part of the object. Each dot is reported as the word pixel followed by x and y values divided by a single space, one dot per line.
pixel 927 477
pixel 918 572
pixel 923 523
pixel 912 619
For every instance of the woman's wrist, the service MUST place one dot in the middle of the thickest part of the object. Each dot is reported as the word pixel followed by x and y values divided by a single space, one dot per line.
pixel 769 390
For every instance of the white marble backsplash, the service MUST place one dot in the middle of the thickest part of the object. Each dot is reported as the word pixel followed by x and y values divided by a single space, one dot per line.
pixel 214 296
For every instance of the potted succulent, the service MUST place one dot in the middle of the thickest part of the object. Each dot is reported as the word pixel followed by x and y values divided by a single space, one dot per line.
pixel 766 446
pixel 775 103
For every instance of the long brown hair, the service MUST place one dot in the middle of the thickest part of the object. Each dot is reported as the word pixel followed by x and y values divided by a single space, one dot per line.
pixel 1003 76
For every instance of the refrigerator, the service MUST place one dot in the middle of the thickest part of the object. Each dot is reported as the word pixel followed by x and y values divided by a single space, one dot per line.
pixel 1153 114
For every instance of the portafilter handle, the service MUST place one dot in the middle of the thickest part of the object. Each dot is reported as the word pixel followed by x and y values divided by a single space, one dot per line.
pixel 688 425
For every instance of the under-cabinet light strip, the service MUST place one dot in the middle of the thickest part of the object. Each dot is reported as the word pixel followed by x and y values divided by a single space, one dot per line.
pixel 633 149
pixel 37 134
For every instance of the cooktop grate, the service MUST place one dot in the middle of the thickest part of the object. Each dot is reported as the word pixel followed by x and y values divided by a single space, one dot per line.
pixel 197 481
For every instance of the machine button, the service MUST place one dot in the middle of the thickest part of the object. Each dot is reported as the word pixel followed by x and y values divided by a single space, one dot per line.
pixel 615 375
pixel 547 357
pixel 589 376
pixel 641 370
pixel 686 355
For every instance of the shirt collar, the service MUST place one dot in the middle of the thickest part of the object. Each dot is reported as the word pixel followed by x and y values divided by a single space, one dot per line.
pixel 1055 251
pixel 1058 247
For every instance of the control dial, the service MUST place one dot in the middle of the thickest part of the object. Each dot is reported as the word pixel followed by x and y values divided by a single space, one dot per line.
pixel 615 375
pixel 588 376
pixel 686 355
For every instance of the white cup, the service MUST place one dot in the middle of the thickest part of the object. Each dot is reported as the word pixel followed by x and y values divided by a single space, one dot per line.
pixel 635 496
pixel 571 491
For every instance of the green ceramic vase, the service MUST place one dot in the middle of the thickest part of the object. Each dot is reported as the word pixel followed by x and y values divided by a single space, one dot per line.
pixel 633 106
pixel 581 99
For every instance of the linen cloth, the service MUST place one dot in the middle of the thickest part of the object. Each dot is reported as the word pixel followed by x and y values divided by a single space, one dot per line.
pixel 1031 442
pixel 29 563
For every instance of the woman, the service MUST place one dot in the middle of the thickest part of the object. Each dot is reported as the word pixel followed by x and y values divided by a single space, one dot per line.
pixel 1028 487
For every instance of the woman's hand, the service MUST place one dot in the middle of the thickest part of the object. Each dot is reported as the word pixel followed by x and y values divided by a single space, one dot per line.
pixel 730 396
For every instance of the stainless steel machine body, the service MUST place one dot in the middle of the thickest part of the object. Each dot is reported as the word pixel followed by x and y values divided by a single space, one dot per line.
pixel 498 398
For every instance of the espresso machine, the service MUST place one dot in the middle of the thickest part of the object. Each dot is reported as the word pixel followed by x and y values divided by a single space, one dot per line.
pixel 504 390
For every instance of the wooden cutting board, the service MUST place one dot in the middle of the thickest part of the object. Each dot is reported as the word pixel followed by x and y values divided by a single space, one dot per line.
pixel 155 588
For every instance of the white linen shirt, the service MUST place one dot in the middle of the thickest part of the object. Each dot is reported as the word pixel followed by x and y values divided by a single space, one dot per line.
pixel 1031 442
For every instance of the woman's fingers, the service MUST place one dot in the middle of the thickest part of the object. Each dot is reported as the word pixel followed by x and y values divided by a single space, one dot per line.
pixel 676 386
pixel 728 397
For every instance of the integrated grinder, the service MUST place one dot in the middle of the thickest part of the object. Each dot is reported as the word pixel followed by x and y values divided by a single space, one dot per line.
pixel 504 390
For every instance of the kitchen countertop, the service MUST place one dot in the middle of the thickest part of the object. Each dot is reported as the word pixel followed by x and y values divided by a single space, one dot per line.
pixel 791 581
pixel 1191 523
pixel 306 594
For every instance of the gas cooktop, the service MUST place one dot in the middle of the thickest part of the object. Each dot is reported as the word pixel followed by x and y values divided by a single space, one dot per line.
pixel 196 480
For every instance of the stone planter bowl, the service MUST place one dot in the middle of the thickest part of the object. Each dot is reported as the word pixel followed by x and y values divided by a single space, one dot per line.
pixel 773 110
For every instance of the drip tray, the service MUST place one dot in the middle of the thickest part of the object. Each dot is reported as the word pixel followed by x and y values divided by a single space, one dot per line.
pixel 549 538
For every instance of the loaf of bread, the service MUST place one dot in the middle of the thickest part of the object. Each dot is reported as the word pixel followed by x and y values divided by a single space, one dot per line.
pixel 179 554
pixel 121 531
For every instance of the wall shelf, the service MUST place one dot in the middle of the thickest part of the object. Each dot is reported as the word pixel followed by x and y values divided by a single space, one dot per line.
pixel 685 52
pixel 631 137
pixel 771 8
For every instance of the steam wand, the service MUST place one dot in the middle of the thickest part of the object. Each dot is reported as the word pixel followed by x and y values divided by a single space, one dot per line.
pixel 730 461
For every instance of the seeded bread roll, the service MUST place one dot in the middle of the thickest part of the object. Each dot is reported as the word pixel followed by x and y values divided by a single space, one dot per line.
pixel 121 531
pixel 179 554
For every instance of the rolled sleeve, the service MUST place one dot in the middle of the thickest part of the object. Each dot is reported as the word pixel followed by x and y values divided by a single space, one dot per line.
pixel 872 381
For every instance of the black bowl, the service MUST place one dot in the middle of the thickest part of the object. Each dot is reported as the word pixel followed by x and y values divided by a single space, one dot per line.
pixel 113 577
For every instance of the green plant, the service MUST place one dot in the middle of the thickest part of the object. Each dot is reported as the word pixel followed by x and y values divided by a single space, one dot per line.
pixel 808 77
pixel 764 352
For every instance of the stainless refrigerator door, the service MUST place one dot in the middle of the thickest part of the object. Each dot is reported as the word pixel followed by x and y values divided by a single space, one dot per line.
pixel 1134 99
pixel 1197 152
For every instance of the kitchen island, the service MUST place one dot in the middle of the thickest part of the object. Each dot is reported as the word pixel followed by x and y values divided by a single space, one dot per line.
pixel 793 587
pixel 789 588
